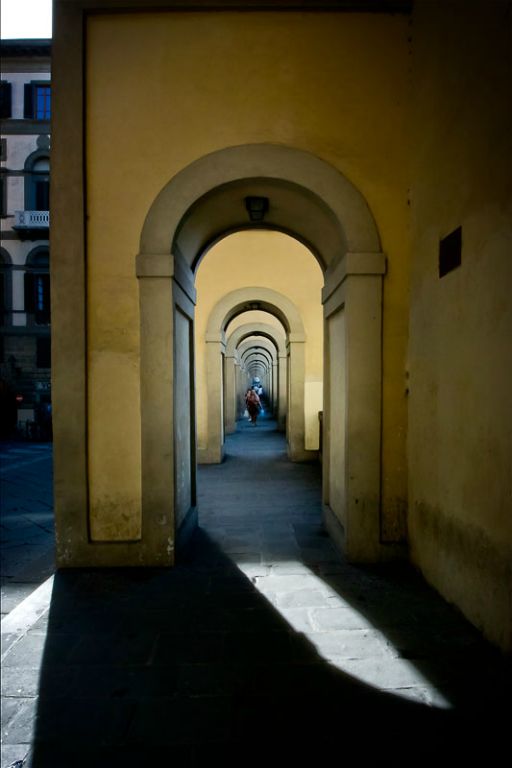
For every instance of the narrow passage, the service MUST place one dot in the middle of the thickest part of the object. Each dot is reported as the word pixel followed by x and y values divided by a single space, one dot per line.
pixel 260 508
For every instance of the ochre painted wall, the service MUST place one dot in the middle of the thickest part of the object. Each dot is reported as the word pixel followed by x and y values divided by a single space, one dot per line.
pixel 460 353
pixel 164 90
pixel 276 261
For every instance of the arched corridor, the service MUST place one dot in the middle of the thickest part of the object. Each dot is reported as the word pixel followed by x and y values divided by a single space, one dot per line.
pixel 290 364
pixel 196 209
pixel 244 123
pixel 217 593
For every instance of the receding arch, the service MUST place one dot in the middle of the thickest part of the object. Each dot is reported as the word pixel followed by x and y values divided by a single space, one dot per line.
pixel 252 354
pixel 257 348
pixel 257 365
pixel 256 329
pixel 260 168
pixel 341 232
pixel 259 358
pixel 234 403
pixel 260 298
pixel 252 348
pixel 287 201
pixel 229 306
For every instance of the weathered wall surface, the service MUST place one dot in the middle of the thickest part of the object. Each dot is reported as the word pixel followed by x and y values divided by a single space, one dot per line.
pixel 182 85
pixel 460 353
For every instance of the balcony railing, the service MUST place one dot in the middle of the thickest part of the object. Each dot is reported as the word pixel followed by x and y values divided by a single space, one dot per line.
pixel 31 219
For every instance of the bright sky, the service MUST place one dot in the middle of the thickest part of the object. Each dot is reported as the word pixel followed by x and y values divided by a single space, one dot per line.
pixel 26 19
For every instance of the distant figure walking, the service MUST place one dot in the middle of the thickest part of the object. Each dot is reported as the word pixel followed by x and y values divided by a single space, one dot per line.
pixel 253 405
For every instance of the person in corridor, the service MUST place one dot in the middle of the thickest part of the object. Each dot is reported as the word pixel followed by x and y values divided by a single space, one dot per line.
pixel 253 404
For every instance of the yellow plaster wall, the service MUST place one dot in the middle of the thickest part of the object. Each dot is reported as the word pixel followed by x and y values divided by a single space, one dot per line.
pixel 165 89
pixel 113 397
pixel 271 260
pixel 460 417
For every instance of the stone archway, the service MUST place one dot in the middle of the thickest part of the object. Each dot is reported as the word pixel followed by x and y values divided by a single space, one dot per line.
pixel 319 206
pixel 268 332
pixel 263 352
pixel 231 305
pixel 196 208
pixel 255 352
pixel 310 200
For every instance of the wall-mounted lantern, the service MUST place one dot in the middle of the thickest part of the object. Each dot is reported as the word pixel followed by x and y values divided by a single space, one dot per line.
pixel 256 207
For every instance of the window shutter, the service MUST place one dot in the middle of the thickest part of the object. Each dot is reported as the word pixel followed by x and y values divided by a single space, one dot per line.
pixel 28 110
pixel 5 100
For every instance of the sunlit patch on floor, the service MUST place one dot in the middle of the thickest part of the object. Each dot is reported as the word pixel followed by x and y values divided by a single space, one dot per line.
pixel 342 636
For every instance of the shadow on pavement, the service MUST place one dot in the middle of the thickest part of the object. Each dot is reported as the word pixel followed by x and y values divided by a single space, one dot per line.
pixel 192 666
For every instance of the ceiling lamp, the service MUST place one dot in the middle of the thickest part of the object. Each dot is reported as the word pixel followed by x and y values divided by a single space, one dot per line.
pixel 256 207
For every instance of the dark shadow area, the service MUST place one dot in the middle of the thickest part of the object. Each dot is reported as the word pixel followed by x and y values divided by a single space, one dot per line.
pixel 194 666
pixel 449 652
pixel 180 667
pixel 465 672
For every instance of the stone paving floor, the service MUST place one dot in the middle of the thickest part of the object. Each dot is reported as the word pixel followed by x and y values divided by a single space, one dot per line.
pixel 26 520
pixel 262 647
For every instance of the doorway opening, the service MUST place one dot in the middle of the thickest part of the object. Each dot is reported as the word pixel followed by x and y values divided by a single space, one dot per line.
pixel 271 330
pixel 199 208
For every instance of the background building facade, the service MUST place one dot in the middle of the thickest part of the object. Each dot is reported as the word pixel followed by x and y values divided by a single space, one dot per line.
pixel 25 351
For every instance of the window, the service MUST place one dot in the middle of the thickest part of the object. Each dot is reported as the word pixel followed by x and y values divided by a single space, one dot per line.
pixel 3 179
pixel 38 100
pixel 3 195
pixel 5 99
pixel 37 287
pixel 42 194
pixel 42 102
pixel 37 184
pixel 37 297
pixel 5 287
pixel 44 352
